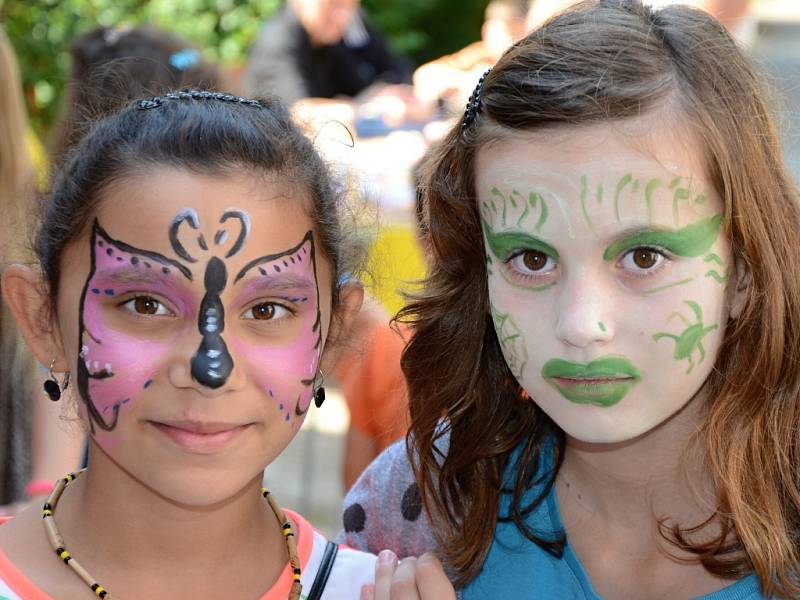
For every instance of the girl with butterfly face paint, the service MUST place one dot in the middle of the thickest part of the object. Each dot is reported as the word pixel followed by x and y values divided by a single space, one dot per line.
pixel 602 376
pixel 190 252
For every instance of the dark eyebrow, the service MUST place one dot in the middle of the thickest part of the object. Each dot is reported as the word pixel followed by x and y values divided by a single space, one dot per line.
pixel 690 241
pixel 277 283
pixel 136 275
pixel 503 243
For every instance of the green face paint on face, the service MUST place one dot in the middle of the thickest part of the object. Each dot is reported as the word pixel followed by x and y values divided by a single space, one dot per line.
pixel 504 243
pixel 690 241
pixel 602 382
pixel 721 278
pixel 691 339
pixel 512 342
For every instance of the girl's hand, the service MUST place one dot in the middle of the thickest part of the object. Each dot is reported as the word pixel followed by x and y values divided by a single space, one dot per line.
pixel 411 579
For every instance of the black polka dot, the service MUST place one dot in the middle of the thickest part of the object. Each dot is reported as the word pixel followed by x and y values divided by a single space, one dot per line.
pixel 411 504
pixel 354 518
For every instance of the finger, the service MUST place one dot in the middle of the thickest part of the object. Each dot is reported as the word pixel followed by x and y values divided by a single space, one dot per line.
pixel 431 580
pixel 404 585
pixel 384 570
pixel 367 592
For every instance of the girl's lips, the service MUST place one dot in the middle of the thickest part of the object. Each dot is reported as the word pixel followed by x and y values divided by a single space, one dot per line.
pixel 200 438
pixel 590 380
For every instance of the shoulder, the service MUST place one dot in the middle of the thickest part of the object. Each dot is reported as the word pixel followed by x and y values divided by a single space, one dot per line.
pixel 351 569
pixel 25 557
pixel 384 508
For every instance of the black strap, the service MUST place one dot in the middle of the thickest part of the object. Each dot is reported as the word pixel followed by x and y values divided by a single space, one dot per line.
pixel 325 568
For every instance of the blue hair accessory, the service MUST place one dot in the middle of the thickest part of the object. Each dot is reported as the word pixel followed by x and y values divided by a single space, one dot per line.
pixel 183 59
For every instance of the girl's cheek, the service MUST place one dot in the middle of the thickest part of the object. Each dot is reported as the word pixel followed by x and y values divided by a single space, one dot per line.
pixel 114 369
pixel 284 374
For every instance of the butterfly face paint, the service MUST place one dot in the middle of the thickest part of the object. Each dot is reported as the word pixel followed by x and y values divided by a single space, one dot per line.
pixel 272 324
pixel 604 266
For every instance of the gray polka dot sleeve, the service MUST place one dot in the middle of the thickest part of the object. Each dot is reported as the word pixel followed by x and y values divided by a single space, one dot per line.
pixel 384 509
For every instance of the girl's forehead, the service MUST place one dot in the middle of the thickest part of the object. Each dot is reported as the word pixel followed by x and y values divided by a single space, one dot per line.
pixel 150 209
pixel 601 150
pixel 593 183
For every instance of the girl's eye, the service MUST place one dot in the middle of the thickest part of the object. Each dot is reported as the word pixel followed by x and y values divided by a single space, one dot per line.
pixel 532 261
pixel 266 311
pixel 146 305
pixel 642 259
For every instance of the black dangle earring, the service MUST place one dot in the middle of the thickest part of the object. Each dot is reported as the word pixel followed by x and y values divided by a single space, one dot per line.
pixel 319 391
pixel 51 386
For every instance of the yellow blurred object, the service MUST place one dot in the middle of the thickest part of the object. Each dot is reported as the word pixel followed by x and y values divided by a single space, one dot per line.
pixel 396 262
pixel 38 158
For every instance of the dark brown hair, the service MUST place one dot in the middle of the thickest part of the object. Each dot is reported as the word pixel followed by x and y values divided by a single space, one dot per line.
pixel 601 61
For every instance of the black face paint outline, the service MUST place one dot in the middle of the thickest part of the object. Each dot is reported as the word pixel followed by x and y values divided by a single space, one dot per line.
pixel 189 216
pixel 83 375
pixel 211 364
pixel 308 237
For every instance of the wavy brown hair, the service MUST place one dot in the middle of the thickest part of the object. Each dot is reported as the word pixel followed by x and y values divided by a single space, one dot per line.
pixel 601 61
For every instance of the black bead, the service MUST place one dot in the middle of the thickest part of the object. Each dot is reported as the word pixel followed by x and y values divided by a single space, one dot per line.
pixel 52 390
pixel 319 396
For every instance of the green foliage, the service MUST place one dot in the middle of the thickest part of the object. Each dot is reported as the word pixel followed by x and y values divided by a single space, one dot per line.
pixel 41 31
pixel 224 30
pixel 426 29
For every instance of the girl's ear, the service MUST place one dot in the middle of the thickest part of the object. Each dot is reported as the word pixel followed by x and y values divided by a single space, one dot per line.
pixel 739 289
pixel 26 296
pixel 351 296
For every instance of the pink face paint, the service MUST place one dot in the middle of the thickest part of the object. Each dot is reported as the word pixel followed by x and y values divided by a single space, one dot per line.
pixel 114 367
pixel 285 372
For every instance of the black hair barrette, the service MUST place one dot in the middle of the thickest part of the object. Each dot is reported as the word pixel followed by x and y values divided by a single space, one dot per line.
pixel 474 102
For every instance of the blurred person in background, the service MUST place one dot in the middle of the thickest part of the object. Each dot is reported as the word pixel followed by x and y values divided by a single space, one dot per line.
pixel 451 78
pixel 372 383
pixel 35 447
pixel 320 49
pixel 112 65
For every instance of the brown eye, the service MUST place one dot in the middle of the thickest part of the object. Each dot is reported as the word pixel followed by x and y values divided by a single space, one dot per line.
pixel 263 311
pixel 145 305
pixel 645 258
pixel 534 260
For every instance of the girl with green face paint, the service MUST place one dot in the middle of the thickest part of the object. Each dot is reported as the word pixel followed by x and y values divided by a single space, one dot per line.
pixel 602 378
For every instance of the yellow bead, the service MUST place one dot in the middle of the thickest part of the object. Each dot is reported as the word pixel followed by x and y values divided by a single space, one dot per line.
pixel 99 591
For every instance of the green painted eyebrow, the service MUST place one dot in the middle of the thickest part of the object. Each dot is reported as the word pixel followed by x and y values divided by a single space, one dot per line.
pixel 690 241
pixel 504 243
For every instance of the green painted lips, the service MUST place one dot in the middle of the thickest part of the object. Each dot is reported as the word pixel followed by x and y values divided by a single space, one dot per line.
pixel 602 382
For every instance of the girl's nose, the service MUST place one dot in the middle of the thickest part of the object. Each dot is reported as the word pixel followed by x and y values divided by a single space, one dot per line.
pixel 181 371
pixel 585 312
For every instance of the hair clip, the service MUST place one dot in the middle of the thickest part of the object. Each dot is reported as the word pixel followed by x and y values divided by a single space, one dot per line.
pixel 474 102
pixel 196 95
pixel 183 59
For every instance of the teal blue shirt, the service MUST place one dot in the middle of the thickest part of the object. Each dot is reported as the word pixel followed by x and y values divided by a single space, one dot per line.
pixel 517 568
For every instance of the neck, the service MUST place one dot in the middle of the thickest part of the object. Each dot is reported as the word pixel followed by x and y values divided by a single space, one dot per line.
pixel 656 475
pixel 111 521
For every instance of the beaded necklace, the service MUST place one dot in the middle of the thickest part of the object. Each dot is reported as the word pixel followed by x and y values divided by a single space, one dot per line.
pixel 57 542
